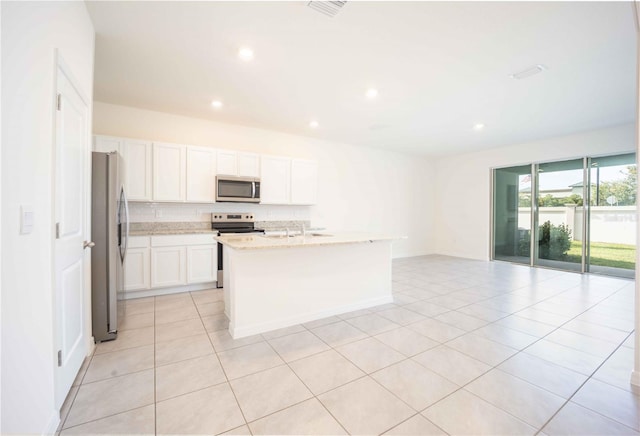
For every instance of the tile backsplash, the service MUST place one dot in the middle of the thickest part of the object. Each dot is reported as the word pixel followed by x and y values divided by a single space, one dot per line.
pixel 185 212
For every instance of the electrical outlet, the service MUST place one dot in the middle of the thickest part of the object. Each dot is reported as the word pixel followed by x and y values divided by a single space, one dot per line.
pixel 158 213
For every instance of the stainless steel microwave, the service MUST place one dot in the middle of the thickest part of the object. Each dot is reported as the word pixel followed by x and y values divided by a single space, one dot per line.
pixel 238 189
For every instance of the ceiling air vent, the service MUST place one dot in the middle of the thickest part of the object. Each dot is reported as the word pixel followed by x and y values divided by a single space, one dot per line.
pixel 528 72
pixel 329 8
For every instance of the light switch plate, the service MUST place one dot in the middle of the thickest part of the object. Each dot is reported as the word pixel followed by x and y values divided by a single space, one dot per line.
pixel 26 219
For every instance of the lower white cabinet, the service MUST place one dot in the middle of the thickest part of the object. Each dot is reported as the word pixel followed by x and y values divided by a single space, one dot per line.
pixel 137 264
pixel 168 266
pixel 202 263
pixel 163 261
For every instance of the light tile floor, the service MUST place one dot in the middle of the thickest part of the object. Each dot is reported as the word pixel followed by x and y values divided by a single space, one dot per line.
pixel 468 347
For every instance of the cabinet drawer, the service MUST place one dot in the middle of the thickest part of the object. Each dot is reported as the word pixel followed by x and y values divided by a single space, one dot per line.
pixel 139 242
pixel 174 240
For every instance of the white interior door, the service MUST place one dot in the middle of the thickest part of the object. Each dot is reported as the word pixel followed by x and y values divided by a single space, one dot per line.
pixel 71 158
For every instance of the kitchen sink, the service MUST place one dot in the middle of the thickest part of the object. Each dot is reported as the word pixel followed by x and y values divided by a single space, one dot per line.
pixel 295 235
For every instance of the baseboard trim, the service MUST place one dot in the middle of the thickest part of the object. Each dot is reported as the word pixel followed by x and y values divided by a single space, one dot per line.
pixel 255 329
pixel 128 295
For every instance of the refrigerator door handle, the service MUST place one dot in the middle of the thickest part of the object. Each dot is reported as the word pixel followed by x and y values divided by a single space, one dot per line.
pixel 126 213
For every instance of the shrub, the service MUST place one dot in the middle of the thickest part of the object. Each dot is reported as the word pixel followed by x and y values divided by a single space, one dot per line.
pixel 554 241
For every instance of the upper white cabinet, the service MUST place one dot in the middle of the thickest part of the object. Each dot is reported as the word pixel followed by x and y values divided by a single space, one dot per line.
pixel 227 163
pixel 275 180
pixel 201 175
pixel 169 178
pixel 304 181
pixel 248 165
pixel 137 169
pixel 232 163
pixel 106 144
pixel 181 173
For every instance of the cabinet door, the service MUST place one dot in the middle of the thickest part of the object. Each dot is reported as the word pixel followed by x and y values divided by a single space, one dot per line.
pixel 168 172
pixel 201 175
pixel 106 144
pixel 168 266
pixel 275 180
pixel 227 163
pixel 136 269
pixel 202 263
pixel 137 169
pixel 304 181
pixel 248 165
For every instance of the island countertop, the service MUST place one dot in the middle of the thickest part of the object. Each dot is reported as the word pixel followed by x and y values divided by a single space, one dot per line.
pixel 255 241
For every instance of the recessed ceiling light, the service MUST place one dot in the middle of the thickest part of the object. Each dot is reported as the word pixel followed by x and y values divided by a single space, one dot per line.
pixel 216 104
pixel 371 93
pixel 314 124
pixel 245 53
pixel 478 126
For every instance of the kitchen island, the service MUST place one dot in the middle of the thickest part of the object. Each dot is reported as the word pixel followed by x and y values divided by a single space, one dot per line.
pixel 271 282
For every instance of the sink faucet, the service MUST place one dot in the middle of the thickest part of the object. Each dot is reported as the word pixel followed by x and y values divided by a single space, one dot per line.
pixel 288 233
pixel 304 230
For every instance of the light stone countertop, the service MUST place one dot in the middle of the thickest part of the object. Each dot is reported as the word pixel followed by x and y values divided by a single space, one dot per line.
pixel 256 241
pixel 156 232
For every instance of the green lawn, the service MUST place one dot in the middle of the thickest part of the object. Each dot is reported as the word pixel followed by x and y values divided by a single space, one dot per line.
pixel 606 254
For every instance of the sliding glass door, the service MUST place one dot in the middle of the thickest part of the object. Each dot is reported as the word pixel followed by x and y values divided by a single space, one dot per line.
pixel 612 215
pixel 575 215
pixel 512 214
pixel 558 222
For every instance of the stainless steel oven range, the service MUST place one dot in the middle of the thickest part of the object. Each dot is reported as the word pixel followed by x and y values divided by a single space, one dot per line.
pixel 231 223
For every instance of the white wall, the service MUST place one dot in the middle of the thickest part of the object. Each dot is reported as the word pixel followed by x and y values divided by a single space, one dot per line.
pixel 359 188
pixel 30 32
pixel 463 187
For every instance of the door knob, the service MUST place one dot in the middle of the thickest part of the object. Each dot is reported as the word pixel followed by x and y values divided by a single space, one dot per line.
pixel 88 244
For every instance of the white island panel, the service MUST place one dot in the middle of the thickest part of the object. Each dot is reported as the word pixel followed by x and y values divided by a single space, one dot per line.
pixel 272 288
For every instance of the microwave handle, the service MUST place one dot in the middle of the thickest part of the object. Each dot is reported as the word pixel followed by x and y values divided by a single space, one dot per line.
pixel 253 189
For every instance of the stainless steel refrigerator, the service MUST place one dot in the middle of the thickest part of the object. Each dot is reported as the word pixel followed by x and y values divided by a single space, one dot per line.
pixel 109 232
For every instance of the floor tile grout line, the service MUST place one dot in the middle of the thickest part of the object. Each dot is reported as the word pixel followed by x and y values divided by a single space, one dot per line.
pixel 589 377
pixel 106 416
pixel 307 387
pixel 517 352
pixel 590 307
pixel 227 380
pixel 79 385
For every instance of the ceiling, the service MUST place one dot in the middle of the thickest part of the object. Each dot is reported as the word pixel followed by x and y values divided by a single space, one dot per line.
pixel 439 67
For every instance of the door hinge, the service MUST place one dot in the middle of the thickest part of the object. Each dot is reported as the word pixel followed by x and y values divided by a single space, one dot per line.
pixel 58 101
pixel 59 357
pixel 57 230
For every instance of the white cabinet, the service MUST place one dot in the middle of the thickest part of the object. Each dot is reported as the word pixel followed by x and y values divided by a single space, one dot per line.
pixel 135 172
pixel 169 167
pixel 248 165
pixel 304 181
pixel 137 264
pixel 232 163
pixel 136 157
pixel 275 180
pixel 227 163
pixel 168 266
pixel 202 264
pixel 106 144
pixel 178 260
pixel 201 175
